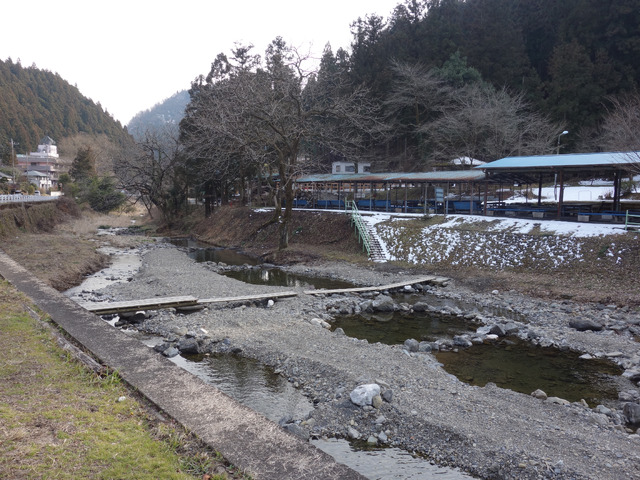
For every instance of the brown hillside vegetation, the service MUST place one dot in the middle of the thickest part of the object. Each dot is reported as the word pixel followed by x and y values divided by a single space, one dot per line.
pixel 314 235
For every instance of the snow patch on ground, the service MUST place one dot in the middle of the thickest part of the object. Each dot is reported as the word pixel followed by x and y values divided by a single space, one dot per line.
pixel 493 242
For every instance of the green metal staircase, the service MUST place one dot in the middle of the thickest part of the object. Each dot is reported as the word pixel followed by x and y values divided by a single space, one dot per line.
pixel 369 240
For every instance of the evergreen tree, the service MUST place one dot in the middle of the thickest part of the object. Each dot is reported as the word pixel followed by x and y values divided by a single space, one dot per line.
pixel 84 165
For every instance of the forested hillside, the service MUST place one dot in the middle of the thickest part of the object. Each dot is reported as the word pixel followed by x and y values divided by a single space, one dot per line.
pixel 567 56
pixel 167 113
pixel 35 103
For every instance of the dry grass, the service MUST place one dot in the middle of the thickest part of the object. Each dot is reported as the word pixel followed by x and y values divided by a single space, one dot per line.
pixel 62 254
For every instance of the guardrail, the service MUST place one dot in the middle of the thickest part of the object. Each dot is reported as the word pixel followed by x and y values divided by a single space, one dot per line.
pixel 360 226
pixel 25 198
pixel 631 220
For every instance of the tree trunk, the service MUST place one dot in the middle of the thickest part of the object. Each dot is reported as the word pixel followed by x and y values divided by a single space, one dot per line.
pixel 286 176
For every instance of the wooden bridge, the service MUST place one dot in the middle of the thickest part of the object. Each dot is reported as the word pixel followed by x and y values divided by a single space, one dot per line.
pixel 431 279
pixel 159 303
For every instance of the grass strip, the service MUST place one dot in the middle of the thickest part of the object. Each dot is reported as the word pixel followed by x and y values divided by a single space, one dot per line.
pixel 61 421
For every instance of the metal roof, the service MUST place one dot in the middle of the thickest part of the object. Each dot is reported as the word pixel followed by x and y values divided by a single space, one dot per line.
pixel 609 160
pixel 35 173
pixel 394 177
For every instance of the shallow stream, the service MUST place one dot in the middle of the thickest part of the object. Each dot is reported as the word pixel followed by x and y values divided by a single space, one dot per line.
pixel 509 363
pixel 253 272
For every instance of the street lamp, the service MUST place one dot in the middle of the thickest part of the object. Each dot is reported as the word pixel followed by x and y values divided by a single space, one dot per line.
pixel 558 149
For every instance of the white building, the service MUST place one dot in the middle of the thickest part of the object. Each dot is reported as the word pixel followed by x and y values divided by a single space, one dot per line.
pixel 42 181
pixel 350 167
pixel 45 161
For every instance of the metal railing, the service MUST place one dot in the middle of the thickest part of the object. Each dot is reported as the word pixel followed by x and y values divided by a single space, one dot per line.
pixel 631 220
pixel 17 198
pixel 360 226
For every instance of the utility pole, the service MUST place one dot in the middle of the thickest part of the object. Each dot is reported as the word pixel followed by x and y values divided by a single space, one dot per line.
pixel 13 160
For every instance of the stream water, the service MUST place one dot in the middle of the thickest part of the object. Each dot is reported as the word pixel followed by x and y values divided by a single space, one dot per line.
pixel 253 272
pixel 522 367
pixel 395 327
pixel 509 363
pixel 124 265
pixel 261 389
pixel 202 252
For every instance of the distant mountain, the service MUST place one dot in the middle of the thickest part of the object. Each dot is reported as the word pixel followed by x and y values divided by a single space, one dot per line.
pixel 35 103
pixel 166 113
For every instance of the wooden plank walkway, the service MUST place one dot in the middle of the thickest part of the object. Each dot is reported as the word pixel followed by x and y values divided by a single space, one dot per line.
pixel 135 305
pixel 173 302
pixel 248 298
pixel 432 279
pixel 158 303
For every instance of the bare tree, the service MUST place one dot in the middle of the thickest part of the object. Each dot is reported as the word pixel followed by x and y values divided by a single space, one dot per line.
pixel 419 95
pixel 621 129
pixel 152 172
pixel 105 151
pixel 255 116
pixel 488 124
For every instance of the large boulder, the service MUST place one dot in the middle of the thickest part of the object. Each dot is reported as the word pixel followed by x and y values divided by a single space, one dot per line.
pixel 363 394
pixel 584 324
pixel 411 344
pixel 461 341
pixel 188 345
pixel 421 307
pixel 383 303
pixel 497 330
pixel 632 413
pixel 632 374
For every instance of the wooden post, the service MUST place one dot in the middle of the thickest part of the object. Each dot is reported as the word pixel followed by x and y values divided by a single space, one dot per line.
pixel 540 190
pixel 386 187
pixel 370 196
pixel 424 197
pixel 616 190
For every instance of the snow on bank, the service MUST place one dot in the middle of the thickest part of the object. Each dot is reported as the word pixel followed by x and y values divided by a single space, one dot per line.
pixel 513 225
pixel 493 242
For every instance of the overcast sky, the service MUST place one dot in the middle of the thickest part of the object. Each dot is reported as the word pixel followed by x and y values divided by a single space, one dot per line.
pixel 130 55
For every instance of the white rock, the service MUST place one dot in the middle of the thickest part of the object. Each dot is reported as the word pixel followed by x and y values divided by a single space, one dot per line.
pixel 539 394
pixel 363 394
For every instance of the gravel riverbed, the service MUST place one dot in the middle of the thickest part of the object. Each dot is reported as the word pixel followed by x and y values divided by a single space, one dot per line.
pixel 487 431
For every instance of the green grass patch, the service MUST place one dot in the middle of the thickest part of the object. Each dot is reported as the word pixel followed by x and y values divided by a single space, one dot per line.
pixel 60 421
